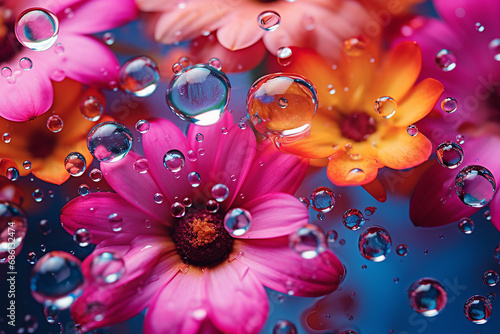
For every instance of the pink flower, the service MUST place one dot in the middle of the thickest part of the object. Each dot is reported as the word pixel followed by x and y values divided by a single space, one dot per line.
pixel 222 287
pixel 469 30
pixel 29 93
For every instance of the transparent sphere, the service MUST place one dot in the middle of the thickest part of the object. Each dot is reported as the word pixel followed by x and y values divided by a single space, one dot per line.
pixel 427 296
pixel 13 228
pixel 57 279
pixel 475 186
pixel 322 199
pixel 199 94
pixel 449 154
pixel 139 76
pixel 237 221
pixel 477 309
pixel 37 29
pixel 282 106
pixel 109 141
pixel 309 241
pixel 375 243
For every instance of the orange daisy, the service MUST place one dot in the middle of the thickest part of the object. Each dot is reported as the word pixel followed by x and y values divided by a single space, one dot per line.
pixel 32 140
pixel 369 103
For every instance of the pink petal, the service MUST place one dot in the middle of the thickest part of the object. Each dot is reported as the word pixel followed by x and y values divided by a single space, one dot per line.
pixel 233 160
pixel 92 212
pixel 280 268
pixel 29 96
pixel 240 31
pixel 162 137
pixel 138 189
pixel 495 211
pixel 17 6
pixel 238 301
pixel 272 171
pixel 87 60
pixel 275 215
pixel 150 262
pixel 179 306
pixel 98 15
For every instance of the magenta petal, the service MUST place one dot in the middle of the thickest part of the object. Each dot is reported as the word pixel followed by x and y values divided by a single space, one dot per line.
pixel 92 212
pixel 29 95
pixel 99 15
pixel 179 307
pixel 272 171
pixel 162 137
pixel 275 215
pixel 124 179
pixel 280 268
pixel 238 300
pixel 150 261
pixel 495 211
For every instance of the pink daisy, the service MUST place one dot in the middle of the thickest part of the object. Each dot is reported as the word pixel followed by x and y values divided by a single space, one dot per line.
pixel 219 287
pixel 27 94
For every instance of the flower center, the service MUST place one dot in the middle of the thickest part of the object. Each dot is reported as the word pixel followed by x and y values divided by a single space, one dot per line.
pixel 9 45
pixel 357 126
pixel 202 240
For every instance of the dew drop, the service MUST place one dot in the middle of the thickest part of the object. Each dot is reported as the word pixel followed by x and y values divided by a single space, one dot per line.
pixel 6 137
pixel 402 250
pixel 6 72
pixel 75 164
pixel 237 221
pixel 355 46
pixel 491 278
pixel 446 60
pixel 412 130
pixel 427 296
pixel 91 108
pixel 215 62
pixel 309 241
pixel 108 38
pixel 95 175
pixel 59 49
pixel 27 164
pixel 37 29
pixel 220 192
pixel 82 237
pixel 212 206
pixel 466 225
pixel 44 226
pixel 479 27
pixel 178 210
pixel 475 186
pixel 450 154
pixel 141 165
pixel 174 160
pixel 322 199
pixel 284 56
pixel 449 105
pixel 158 198
pixel 25 63
pixel 32 258
pixel 83 190
pixel 375 243
pixel 353 219
pixel 139 76
pixel 370 210
pixel 55 123
pixel 477 309
pixel 199 137
pixel 194 179
pixel 115 222
pixel 269 20
pixel 385 106
pixel 38 195
pixel 109 141
pixel 495 48
pixel 107 267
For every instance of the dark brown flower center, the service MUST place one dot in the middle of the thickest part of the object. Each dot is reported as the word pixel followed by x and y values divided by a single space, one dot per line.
pixel 357 126
pixel 202 240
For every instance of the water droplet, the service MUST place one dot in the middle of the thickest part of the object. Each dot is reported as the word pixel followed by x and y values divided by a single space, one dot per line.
pixel 199 94
pixel 491 296
pixel 309 241
pixel 37 29
pixel 6 137
pixel 491 278
pixel 141 165
pixel 427 296
pixel 38 195
pixel 25 63
pixel 91 108
pixel 370 210
pixel 212 206
pixel 59 49
pixel 27 164
pixel 215 62
pixel 304 201
pixel 269 20
pixel 460 139
pixel 95 175
pixel 83 190
pixel 385 106
pixel 12 173
pixel 108 38
pixel 158 198
pixel 187 202
pixel 475 186
pixel 237 221
pixel 75 164
pixel 322 199
pixel 82 237
pixel 284 327
pixel 107 267
pixel 109 141
pixel 55 123
pixel 6 72
pixel 487 215
pixel 495 48
pixel 402 250
pixel 449 105
pixel 32 258
pixel 375 243
pixel 353 219
pixel 220 192
pixel 446 60
pixel 194 179
pixel 178 210
pixel 331 236
pixel 199 137
pixel 466 225
pixel 139 76
pixel 44 226
pixel 56 279
pixel 479 27
pixel 354 46
pixel 450 154
pixel 12 218
pixel 115 222
pixel 142 126
pixel 412 130
pixel 477 309
pixel 364 266
pixel 284 56
pixel 277 120
pixel 174 160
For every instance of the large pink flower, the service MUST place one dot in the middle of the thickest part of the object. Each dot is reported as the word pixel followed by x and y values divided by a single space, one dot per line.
pixel 220 289
pixel 470 31
pixel 29 93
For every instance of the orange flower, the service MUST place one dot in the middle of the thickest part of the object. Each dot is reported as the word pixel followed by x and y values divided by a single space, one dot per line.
pixel 46 151
pixel 347 130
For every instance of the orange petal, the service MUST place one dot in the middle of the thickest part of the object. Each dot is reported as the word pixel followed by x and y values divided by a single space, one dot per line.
pixel 343 171
pixel 399 150
pixel 418 103
pixel 400 71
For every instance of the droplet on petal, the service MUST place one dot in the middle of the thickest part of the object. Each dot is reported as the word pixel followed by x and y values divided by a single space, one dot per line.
pixel 269 20
pixel 479 27
pixel 449 105
pixel 141 165
pixel 495 48
pixel 82 237
pixel 55 123
pixel 309 241
pixel 284 56
pixel 475 186
pixel 174 160
pixel 107 267
pixel 446 60
pixel 449 154
pixel 237 221
pixel 220 192
pixel 83 190
pixel 95 175
pixel 412 130
pixel 37 29
pixel 385 106
pixel 75 164
pixel 109 141
pixel 354 46
pixel 139 76
pixel 115 222
pixel 25 63
pixel 91 108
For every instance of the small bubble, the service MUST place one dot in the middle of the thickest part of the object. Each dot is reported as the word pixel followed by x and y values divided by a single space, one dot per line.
pixel 479 27
pixel 95 175
pixel 25 63
pixel 304 201
pixel 115 222
pixel 59 49
pixel 385 106
pixel 237 221
pixel 141 165
pixel 412 130
pixel 142 126
pixel 32 258
pixel 215 62
pixel 37 29
pixel 199 137
pixel 55 123
pixel 220 192
pixel 212 206
pixel 269 20
pixel 353 219
pixel 487 215
pixel 354 46
pixel 12 173
pixel 284 56
pixel 446 60
pixel 194 179
pixel 83 190
pixel 107 267
pixel 449 105
pixel 284 327
pixel 38 195
pixel 187 202
pixel 158 198
pixel 370 210
pixel 178 210
pixel 224 130
pixel 174 160
pixel 466 225
pixel 6 72
pixel 44 226
pixel 309 241
pixel 82 237
pixel 491 278
pixel 375 243
pixel 108 38
pixel 477 309
pixel 191 155
pixel 320 216
pixel 139 76
pixel 475 186
pixel 91 108
pixel 109 141
pixel 450 154
pixel 331 236
pixel 27 164
pixel 75 164
pixel 6 137
pixel 427 296
pixel 322 199
pixel 495 48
